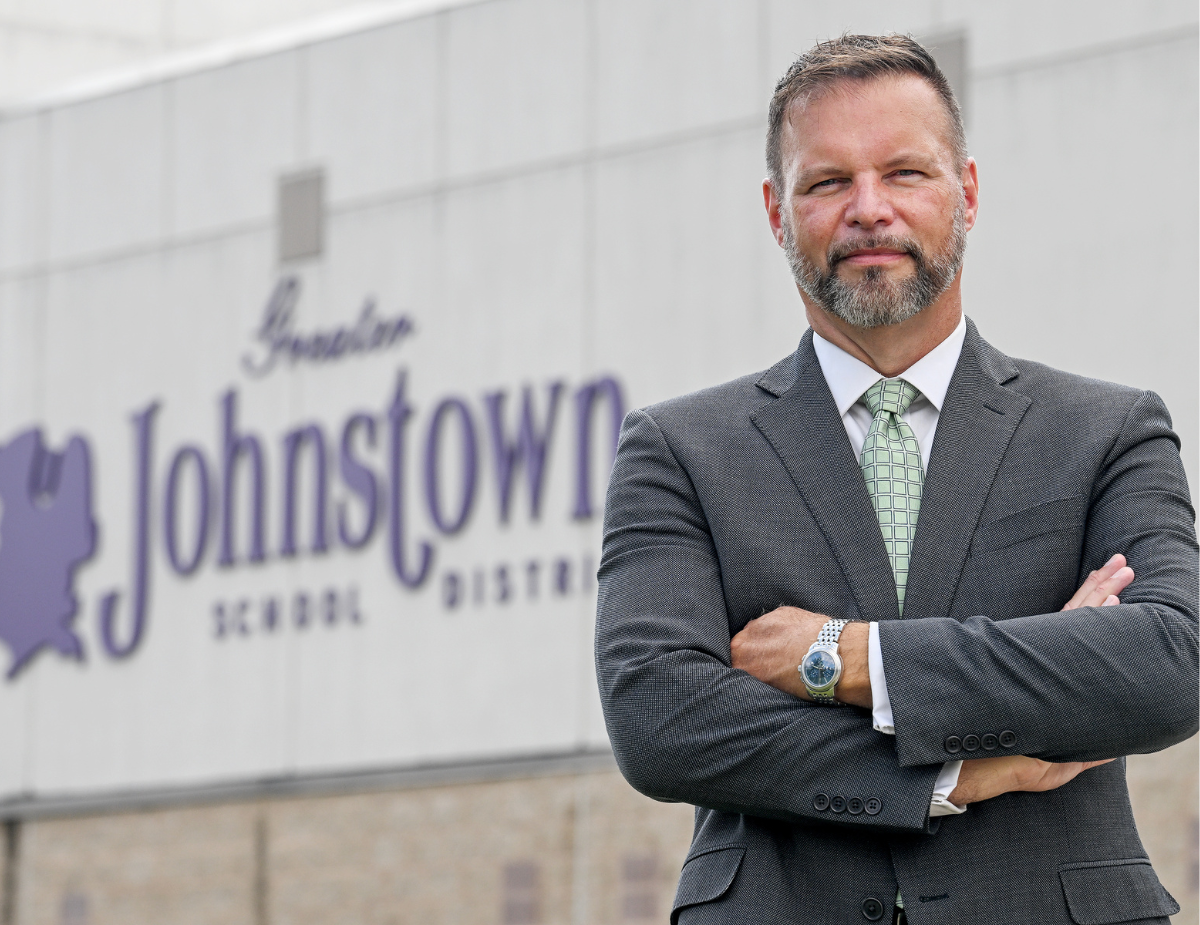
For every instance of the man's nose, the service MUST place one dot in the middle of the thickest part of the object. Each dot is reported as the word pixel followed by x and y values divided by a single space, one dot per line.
pixel 869 206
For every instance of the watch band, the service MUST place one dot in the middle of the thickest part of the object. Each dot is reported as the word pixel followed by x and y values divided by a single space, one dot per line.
pixel 831 631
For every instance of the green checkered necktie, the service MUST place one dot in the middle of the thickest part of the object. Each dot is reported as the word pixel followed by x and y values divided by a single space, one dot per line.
pixel 891 465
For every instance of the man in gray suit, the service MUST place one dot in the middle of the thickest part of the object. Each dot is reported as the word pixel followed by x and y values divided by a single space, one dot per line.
pixel 843 606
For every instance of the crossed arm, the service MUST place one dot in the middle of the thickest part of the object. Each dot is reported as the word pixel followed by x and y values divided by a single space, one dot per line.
pixel 771 648
pixel 686 724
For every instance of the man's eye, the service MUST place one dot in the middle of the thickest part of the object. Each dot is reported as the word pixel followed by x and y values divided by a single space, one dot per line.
pixel 826 184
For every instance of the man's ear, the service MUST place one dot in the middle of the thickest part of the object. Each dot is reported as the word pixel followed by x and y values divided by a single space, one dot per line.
pixel 771 201
pixel 970 186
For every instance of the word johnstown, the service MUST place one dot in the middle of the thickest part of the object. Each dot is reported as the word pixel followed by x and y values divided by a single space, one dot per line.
pixel 214 503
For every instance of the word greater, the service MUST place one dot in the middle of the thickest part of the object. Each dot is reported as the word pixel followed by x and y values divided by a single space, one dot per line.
pixel 278 339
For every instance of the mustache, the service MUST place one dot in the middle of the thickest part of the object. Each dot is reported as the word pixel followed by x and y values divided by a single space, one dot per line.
pixel 839 252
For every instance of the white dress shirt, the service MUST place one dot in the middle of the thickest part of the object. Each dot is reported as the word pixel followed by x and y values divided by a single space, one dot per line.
pixel 848 378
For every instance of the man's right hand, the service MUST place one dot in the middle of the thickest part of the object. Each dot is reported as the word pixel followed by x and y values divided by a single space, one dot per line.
pixel 984 778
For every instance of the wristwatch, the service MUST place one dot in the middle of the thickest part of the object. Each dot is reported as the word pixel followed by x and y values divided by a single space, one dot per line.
pixel 822 666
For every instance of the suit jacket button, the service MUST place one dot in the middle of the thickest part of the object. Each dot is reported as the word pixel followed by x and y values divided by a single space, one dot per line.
pixel 838 804
pixel 970 743
pixel 872 909
pixel 874 805
pixel 855 806
pixel 989 740
pixel 953 744
pixel 1008 738
pixel 821 803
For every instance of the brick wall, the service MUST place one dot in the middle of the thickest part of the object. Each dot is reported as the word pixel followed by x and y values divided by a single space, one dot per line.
pixel 554 850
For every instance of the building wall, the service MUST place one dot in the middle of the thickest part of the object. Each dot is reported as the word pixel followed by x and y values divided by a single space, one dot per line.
pixel 555 189
pixel 47 45
pixel 555 849
pixel 558 848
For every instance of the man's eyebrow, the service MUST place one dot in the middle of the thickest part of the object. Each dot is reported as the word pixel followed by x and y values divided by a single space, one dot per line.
pixel 924 159
pixel 822 171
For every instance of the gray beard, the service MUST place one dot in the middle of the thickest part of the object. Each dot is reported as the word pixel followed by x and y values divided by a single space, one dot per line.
pixel 875 301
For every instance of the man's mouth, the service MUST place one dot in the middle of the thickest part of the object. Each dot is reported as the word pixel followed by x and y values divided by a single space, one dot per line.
pixel 874 256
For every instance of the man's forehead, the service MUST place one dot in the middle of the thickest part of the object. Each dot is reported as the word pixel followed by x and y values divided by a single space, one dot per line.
pixel 902 109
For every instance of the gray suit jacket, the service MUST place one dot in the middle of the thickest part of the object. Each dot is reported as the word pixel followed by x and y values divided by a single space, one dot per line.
pixel 729 502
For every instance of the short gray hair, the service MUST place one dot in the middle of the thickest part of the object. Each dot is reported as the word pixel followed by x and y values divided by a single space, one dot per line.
pixel 862 58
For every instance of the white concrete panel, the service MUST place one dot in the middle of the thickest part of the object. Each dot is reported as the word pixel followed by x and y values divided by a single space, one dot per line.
pixel 23 186
pixel 690 286
pixel 106 174
pixel 130 20
pixel 22 352
pixel 215 19
pixel 665 67
pixel 233 131
pixel 514 77
pixel 372 109
pixel 1085 252
pixel 35 60
pixel 997 33
pixel 512 265
pixel 1003 33
pixel 794 27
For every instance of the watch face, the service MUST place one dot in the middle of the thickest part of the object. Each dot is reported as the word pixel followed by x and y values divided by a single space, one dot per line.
pixel 820 669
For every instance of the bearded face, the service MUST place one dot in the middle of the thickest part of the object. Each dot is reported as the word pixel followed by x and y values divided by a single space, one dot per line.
pixel 877 296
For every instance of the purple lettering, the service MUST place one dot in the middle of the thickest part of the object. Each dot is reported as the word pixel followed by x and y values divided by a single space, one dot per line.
pixel 398 415
pixel 270 614
pixel 275 330
pixel 532 570
pixel 293 442
pixel 235 447
pixel 585 402
pixel 562 576
pixel 449 525
pixel 528 449
pixel 503 585
pixel 360 480
pixel 185 565
pixel 143 438
pixel 300 610
pixel 452 590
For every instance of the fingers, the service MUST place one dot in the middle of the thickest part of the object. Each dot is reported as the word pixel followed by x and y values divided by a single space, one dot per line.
pixel 984 778
pixel 1104 583
pixel 1094 581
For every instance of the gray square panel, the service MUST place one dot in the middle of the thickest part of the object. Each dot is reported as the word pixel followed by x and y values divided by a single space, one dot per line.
pixel 301 215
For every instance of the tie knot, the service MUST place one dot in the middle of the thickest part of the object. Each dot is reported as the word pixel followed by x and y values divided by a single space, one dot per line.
pixel 894 395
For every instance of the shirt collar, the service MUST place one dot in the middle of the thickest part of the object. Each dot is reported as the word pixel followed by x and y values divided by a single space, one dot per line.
pixel 848 377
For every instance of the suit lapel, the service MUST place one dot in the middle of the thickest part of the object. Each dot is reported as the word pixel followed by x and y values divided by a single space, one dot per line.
pixel 803 427
pixel 975 426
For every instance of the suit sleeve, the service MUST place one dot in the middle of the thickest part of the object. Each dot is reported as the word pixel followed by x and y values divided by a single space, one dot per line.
pixel 684 725
pixel 1091 683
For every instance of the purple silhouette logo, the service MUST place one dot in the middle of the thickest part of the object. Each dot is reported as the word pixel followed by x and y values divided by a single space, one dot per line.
pixel 46 531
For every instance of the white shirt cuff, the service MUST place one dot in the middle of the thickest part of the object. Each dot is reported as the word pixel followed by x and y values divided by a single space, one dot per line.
pixel 940 805
pixel 881 707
